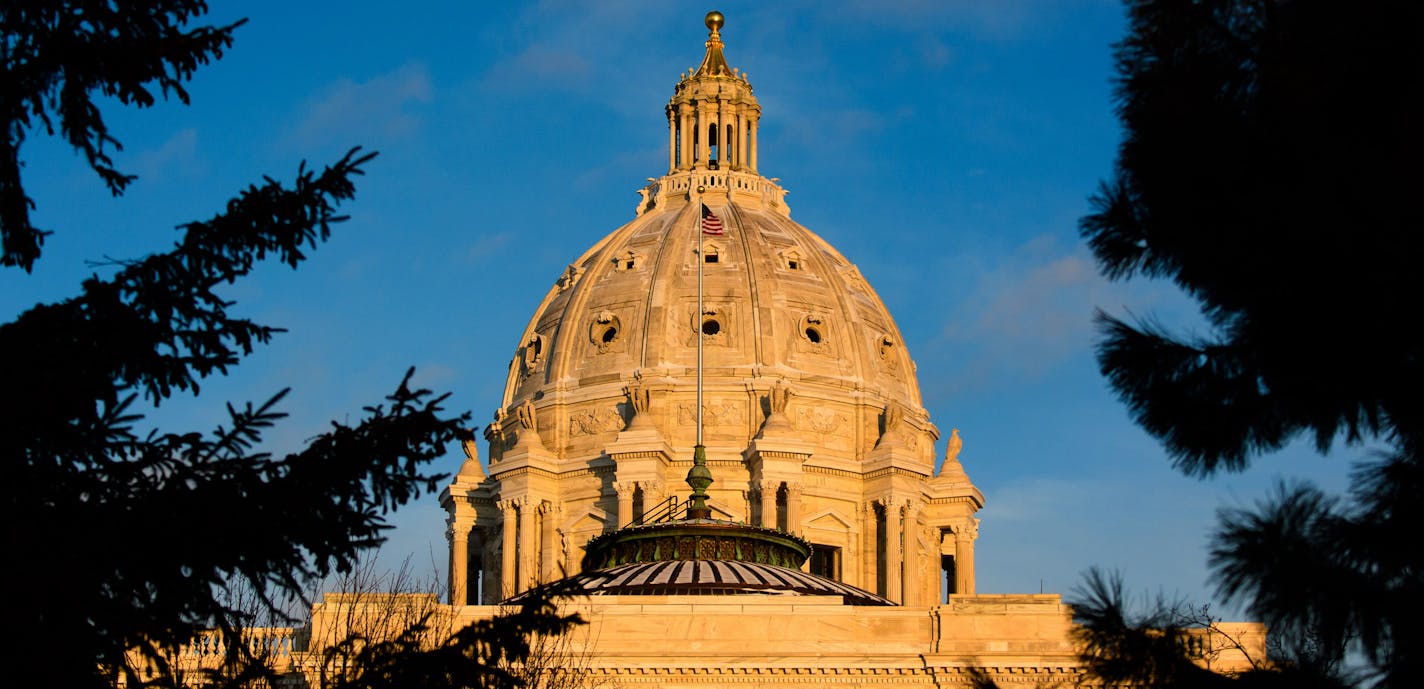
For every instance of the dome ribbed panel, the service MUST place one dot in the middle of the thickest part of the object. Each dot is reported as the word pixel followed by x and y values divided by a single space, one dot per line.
pixel 710 577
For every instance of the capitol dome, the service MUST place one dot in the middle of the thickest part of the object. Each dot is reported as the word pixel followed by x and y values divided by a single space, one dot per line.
pixel 810 412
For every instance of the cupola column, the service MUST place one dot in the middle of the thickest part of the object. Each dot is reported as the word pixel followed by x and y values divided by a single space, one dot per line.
pixel 741 160
pixel 752 147
pixel 672 140
pixel 722 142
pixel 689 136
pixel 705 143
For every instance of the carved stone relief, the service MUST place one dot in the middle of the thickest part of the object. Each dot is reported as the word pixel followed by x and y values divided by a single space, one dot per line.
pixel 713 414
pixel 821 421
pixel 594 422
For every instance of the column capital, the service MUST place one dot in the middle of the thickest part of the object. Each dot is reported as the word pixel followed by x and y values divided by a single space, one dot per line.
pixel 511 504
pixel 966 531
pixel 462 524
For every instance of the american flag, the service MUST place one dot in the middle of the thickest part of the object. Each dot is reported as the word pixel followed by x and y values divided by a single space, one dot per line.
pixel 711 224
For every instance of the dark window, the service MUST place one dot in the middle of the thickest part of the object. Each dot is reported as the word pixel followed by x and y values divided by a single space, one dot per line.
pixel 826 561
pixel 946 571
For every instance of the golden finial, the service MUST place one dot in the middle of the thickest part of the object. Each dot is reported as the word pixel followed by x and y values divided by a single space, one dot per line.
pixel 714 21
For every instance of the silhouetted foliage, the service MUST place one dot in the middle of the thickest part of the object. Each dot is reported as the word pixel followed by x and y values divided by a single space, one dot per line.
pixel 488 653
pixel 120 542
pixel 55 55
pixel 1170 643
pixel 1270 168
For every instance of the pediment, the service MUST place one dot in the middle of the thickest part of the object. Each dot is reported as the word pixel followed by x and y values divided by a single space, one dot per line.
pixel 828 519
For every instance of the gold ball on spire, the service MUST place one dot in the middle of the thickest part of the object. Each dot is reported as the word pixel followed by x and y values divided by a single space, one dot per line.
pixel 714 21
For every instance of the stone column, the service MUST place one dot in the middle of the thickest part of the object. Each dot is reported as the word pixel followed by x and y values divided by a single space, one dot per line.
pixel 510 550
pixel 699 145
pixel 753 147
pixel 459 534
pixel 685 131
pixel 894 542
pixel 793 507
pixel 741 160
pixel 869 553
pixel 964 537
pixel 528 545
pixel 625 491
pixel 548 542
pixel 768 503
pixel 721 136
pixel 654 492
pixel 912 555
pixel 672 141
pixel 930 566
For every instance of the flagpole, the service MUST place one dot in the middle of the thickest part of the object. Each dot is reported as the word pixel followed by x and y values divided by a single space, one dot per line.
pixel 699 477
pixel 697 323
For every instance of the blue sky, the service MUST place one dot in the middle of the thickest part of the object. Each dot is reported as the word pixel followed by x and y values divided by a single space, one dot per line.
pixel 947 148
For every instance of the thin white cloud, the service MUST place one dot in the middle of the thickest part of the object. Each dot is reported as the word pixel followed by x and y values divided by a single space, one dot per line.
pixel 176 157
pixel 487 245
pixel 434 376
pixel 540 66
pixel 1001 19
pixel 1033 312
pixel 379 109
pixel 1030 312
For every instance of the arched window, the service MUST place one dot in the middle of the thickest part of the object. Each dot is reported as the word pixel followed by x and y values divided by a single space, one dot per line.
pixel 731 139
pixel 712 146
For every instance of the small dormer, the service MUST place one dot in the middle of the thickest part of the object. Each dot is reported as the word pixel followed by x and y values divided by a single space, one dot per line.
pixel 627 261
